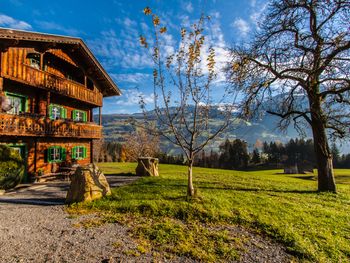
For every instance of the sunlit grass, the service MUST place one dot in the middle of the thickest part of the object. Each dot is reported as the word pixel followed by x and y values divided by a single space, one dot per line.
pixel 314 226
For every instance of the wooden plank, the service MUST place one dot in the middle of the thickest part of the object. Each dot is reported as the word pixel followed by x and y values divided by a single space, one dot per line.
pixel 1 85
pixel 15 61
pixel 20 63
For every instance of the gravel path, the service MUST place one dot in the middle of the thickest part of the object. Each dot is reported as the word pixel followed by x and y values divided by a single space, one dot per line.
pixel 35 228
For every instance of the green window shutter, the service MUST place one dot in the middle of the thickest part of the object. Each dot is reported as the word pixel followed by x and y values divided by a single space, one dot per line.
pixel 63 154
pixel 84 152
pixel 74 115
pixel 26 104
pixel 74 152
pixel 84 116
pixel 49 150
pixel 50 111
pixel 63 113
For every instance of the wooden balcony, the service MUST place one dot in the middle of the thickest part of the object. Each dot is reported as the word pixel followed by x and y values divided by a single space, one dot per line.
pixel 16 125
pixel 42 79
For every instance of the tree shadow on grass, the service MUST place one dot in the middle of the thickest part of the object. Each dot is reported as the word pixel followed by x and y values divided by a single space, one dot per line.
pixel 303 177
pixel 257 190
pixel 308 177
pixel 121 174
pixel 35 201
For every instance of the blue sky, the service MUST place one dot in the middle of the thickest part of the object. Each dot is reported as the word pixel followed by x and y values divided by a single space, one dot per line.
pixel 111 29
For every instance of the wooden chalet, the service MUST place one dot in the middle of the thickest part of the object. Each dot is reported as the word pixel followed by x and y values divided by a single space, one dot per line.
pixel 49 86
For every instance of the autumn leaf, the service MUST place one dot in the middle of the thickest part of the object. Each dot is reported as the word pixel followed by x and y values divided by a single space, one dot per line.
pixel 162 30
pixel 183 33
pixel 155 73
pixel 143 41
pixel 147 11
pixel 156 20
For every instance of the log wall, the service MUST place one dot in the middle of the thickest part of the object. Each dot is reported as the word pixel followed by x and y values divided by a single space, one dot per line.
pixel 15 66
pixel 37 160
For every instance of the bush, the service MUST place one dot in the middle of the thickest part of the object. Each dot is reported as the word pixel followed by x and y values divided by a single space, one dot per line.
pixel 12 167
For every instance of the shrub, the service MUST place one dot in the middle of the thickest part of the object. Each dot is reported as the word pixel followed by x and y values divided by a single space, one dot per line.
pixel 11 167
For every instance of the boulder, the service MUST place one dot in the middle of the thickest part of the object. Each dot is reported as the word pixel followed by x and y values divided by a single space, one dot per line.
pixel 147 166
pixel 292 169
pixel 87 183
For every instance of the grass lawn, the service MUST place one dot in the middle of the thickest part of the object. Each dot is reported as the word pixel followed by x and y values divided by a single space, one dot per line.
pixel 313 226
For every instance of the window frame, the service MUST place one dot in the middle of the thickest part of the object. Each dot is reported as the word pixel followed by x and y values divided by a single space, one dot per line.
pixel 75 151
pixel 63 111
pixel 24 102
pixel 62 154
pixel 34 60
pixel 84 116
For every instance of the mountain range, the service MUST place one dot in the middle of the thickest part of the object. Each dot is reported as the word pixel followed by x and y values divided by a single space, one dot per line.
pixel 116 126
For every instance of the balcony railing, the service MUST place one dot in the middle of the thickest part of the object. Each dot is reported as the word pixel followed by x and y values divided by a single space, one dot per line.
pixel 16 125
pixel 49 81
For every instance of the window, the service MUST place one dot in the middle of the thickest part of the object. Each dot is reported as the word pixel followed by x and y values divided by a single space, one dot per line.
pixel 56 154
pixel 78 115
pixel 34 60
pixel 57 112
pixel 79 152
pixel 17 103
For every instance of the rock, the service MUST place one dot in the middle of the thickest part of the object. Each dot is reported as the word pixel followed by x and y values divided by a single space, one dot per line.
pixel 292 169
pixel 147 166
pixel 87 183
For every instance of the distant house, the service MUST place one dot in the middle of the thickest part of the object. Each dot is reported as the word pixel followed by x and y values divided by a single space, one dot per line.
pixel 49 86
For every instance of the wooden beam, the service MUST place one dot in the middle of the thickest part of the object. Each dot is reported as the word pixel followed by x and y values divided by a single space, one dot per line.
pixel 32 106
pixel 91 151
pixel 44 47
pixel 42 61
pixel 1 63
pixel 48 98
pixel 6 44
pixel 1 85
pixel 100 116
pixel 35 153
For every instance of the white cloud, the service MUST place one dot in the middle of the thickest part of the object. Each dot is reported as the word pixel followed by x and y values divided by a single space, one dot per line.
pixel 252 3
pixel 185 20
pixel 131 97
pixel 145 27
pixel 257 15
pixel 46 25
pixel 188 7
pixel 215 39
pixel 242 26
pixel 121 50
pixel 10 22
pixel 131 77
pixel 128 22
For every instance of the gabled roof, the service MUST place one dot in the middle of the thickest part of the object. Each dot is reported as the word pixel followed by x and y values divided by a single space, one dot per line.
pixel 75 47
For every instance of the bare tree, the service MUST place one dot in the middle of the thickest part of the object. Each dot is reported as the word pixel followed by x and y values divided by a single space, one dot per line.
pixel 183 90
pixel 141 143
pixel 300 52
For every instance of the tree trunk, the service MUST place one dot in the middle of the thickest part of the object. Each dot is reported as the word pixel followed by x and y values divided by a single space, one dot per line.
pixel 190 188
pixel 324 160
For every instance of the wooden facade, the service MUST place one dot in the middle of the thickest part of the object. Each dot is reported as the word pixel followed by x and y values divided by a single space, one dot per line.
pixel 49 87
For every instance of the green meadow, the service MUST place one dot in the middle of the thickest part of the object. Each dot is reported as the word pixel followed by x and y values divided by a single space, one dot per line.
pixel 312 226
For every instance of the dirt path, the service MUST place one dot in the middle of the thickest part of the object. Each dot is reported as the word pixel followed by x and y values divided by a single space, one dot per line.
pixel 35 228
